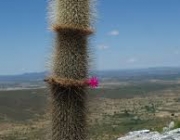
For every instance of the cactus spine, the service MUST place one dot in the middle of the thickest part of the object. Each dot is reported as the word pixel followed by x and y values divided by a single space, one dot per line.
pixel 70 62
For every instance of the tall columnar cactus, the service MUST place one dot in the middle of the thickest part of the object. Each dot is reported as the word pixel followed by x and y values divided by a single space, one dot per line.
pixel 70 69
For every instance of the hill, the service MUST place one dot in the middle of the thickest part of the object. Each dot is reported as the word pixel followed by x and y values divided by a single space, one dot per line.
pixel 133 74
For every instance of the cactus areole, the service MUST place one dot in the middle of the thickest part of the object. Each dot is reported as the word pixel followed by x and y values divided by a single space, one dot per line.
pixel 67 82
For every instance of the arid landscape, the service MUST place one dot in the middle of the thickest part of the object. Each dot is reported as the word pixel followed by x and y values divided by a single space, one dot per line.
pixel 114 109
pixel 123 55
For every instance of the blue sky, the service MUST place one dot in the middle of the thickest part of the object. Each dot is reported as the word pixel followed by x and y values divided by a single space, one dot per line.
pixel 129 34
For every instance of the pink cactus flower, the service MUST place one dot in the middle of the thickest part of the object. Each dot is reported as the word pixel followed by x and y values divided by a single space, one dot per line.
pixel 93 82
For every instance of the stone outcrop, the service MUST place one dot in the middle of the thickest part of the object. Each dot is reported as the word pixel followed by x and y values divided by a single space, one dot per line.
pixel 148 135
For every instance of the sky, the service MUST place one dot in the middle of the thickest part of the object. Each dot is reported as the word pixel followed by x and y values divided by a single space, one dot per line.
pixel 129 34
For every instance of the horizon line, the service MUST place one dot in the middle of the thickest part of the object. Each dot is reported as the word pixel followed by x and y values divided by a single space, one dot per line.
pixel 128 69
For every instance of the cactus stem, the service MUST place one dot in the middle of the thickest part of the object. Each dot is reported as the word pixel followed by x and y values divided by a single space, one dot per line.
pixel 68 28
pixel 64 82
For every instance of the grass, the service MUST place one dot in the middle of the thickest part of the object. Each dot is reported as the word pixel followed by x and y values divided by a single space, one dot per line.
pixel 143 89
pixel 112 126
pixel 22 105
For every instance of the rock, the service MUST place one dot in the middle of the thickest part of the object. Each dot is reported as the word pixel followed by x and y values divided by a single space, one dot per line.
pixel 171 125
pixel 148 135
pixel 165 129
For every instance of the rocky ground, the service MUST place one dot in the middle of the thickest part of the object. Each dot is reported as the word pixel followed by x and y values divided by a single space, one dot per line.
pixel 148 135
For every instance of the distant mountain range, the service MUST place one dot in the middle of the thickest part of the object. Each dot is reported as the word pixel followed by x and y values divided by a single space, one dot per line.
pixel 23 77
pixel 146 72
pixel 157 72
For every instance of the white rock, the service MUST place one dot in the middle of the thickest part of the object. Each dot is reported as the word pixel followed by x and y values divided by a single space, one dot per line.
pixel 171 125
pixel 148 135
pixel 165 129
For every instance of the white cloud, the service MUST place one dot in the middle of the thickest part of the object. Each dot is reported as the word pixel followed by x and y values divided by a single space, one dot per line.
pixel 131 60
pixel 103 47
pixel 23 69
pixel 114 33
pixel 177 52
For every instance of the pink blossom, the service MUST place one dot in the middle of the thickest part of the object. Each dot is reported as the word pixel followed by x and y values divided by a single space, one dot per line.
pixel 93 82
